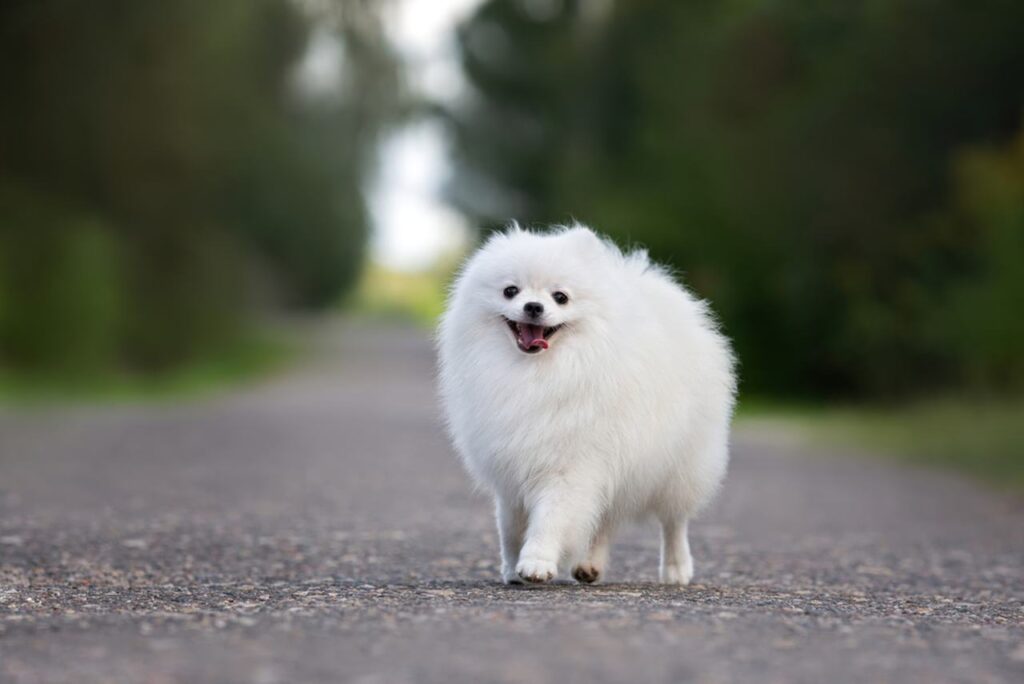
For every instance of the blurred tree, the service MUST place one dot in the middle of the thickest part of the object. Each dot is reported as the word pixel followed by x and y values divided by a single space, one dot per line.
pixel 155 155
pixel 791 156
pixel 525 72
pixel 62 303
pixel 979 316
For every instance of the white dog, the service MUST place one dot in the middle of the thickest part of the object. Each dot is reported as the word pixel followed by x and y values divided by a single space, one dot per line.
pixel 583 387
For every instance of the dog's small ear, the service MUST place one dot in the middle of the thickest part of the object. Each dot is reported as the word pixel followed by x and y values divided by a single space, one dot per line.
pixel 586 240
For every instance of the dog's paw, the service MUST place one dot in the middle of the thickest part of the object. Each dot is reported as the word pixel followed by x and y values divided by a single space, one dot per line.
pixel 676 574
pixel 536 571
pixel 586 573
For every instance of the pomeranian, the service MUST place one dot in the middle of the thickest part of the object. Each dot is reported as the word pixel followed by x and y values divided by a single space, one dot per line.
pixel 583 387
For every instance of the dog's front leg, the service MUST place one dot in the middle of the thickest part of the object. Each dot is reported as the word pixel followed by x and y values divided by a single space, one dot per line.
pixel 562 519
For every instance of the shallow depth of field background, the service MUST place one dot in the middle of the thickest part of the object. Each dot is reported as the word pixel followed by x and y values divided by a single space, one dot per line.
pixel 181 182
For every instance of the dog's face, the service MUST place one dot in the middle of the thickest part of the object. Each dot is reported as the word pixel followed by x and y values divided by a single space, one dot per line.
pixel 537 289
pixel 535 311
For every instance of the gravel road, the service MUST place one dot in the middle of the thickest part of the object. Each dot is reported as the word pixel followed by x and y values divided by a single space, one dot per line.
pixel 317 527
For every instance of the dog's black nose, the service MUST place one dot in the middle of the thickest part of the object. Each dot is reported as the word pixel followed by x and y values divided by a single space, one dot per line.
pixel 533 309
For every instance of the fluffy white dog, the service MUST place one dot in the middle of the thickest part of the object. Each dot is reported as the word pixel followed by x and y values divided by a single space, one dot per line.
pixel 583 387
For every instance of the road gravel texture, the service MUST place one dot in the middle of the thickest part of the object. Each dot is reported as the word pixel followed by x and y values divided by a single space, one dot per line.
pixel 318 528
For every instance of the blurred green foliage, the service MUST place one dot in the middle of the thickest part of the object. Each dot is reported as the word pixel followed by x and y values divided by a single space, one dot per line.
pixel 164 180
pixel 406 297
pixel 981 316
pixel 977 437
pixel 844 181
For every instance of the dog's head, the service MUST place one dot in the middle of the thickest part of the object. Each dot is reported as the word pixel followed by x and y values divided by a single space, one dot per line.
pixel 539 289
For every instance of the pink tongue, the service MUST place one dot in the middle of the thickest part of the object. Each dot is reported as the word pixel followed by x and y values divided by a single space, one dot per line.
pixel 531 336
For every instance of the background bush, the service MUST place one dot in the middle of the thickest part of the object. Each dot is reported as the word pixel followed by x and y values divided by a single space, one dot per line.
pixel 806 165
pixel 163 180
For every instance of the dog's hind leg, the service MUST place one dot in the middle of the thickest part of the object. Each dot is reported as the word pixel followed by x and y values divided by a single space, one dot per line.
pixel 676 561
pixel 511 519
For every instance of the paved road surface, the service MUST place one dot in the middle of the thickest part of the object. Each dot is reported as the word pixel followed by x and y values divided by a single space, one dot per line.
pixel 317 528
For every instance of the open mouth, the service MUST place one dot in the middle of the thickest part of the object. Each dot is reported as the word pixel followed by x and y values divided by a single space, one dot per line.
pixel 531 338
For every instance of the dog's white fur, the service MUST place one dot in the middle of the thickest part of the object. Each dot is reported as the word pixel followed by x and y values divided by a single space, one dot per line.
pixel 624 416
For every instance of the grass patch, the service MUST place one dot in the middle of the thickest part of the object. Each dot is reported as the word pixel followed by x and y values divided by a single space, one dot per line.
pixel 981 438
pixel 417 297
pixel 247 359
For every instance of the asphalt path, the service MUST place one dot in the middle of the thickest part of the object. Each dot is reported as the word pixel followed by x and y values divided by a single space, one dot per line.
pixel 316 527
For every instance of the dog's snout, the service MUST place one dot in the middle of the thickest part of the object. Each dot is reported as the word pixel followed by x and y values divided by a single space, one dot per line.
pixel 533 309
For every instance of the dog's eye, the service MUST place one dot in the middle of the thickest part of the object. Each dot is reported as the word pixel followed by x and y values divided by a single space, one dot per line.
pixel 560 298
pixel 511 291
